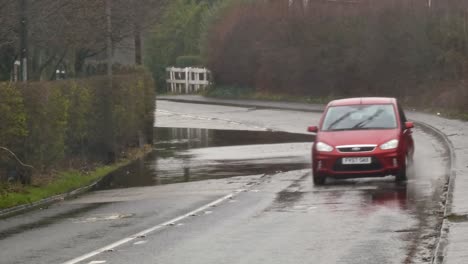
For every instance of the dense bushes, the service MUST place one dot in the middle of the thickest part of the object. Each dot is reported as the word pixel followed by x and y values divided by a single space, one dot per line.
pixel 47 123
pixel 394 47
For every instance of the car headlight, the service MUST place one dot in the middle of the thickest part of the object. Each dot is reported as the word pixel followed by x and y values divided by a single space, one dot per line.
pixel 392 144
pixel 320 146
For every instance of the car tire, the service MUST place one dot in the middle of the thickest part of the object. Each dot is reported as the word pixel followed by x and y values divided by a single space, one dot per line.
pixel 319 180
pixel 402 174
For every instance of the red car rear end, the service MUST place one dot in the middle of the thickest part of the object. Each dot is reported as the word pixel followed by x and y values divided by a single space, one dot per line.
pixel 362 137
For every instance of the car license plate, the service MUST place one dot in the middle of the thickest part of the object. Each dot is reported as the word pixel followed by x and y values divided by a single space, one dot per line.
pixel 357 160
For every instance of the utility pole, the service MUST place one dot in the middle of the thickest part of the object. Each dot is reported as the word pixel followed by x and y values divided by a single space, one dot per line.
pixel 137 41
pixel 108 102
pixel 23 40
pixel 109 38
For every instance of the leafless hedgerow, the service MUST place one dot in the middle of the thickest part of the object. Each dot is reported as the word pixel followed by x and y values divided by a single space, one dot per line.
pixel 341 48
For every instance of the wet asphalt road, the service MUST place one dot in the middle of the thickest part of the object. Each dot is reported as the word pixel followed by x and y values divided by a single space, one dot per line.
pixel 275 216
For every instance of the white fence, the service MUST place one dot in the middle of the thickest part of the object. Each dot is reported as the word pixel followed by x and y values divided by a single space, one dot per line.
pixel 187 80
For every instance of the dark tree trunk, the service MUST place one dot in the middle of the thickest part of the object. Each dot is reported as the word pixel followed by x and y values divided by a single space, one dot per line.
pixel 138 52
pixel 80 57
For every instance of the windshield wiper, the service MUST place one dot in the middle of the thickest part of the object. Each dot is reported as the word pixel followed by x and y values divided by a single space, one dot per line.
pixel 358 128
pixel 367 120
pixel 338 129
pixel 343 117
pixel 370 128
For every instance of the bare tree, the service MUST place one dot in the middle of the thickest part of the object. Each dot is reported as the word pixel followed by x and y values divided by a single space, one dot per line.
pixel 132 18
pixel 65 30
pixel 64 33
pixel 8 22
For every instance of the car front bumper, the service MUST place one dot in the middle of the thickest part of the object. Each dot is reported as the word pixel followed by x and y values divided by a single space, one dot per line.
pixel 383 163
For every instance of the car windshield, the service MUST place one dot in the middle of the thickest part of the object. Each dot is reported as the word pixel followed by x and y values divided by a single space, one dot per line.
pixel 359 117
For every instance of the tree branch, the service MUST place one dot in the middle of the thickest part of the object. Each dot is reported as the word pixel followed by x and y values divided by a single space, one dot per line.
pixel 16 157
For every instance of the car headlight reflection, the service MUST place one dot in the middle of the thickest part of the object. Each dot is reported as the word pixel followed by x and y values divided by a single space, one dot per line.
pixel 320 146
pixel 392 144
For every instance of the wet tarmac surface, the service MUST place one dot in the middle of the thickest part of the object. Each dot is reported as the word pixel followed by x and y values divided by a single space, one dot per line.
pixel 280 217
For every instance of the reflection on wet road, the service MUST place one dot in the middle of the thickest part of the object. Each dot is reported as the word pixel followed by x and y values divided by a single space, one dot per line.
pixel 277 216
pixel 188 154
pixel 286 219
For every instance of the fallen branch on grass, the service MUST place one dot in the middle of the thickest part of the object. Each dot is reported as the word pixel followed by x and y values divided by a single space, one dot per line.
pixel 16 157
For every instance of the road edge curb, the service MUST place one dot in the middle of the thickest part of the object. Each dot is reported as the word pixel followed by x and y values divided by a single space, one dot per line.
pixel 440 250
pixel 20 209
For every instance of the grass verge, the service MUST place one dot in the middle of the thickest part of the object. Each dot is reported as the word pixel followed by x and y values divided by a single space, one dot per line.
pixel 234 92
pixel 447 113
pixel 63 182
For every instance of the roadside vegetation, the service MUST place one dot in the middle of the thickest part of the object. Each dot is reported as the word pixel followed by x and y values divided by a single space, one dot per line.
pixel 404 49
pixel 61 134
pixel 322 50
pixel 63 121
pixel 234 92
pixel 64 181
pixel 14 194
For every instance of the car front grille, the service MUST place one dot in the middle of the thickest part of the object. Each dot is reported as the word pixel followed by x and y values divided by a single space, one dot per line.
pixel 356 149
pixel 374 165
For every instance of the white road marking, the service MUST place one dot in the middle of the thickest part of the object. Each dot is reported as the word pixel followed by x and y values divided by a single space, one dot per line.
pixel 126 240
pixel 140 242
pixel 97 262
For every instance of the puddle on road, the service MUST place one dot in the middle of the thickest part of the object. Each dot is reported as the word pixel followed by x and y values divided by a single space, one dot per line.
pixel 286 202
pixel 189 138
pixel 101 218
pixel 188 154
pixel 380 192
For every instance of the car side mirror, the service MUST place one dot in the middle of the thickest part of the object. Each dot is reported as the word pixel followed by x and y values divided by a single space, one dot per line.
pixel 312 129
pixel 409 125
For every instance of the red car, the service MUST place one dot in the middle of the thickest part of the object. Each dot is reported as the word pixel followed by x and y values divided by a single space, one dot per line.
pixel 362 137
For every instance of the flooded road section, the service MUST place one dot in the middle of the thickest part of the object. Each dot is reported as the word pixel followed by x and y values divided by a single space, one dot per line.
pixel 192 154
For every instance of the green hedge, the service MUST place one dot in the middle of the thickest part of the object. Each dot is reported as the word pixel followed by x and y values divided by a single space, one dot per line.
pixel 12 116
pixel 47 123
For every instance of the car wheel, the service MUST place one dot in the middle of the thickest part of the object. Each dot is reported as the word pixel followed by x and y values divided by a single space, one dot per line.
pixel 401 175
pixel 319 180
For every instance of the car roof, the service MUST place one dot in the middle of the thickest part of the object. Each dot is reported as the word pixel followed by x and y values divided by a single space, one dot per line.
pixel 363 101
